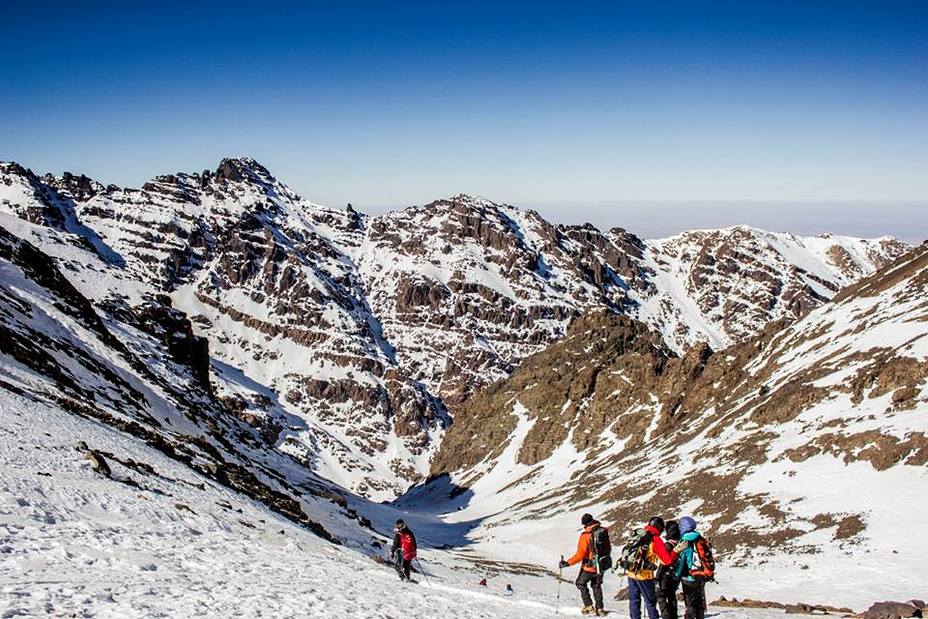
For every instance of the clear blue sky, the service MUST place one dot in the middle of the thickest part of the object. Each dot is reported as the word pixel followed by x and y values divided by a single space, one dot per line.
pixel 559 105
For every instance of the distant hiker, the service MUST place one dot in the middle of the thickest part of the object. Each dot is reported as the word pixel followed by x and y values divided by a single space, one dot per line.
pixel 642 555
pixel 404 549
pixel 592 564
pixel 666 576
pixel 509 590
pixel 483 582
pixel 696 566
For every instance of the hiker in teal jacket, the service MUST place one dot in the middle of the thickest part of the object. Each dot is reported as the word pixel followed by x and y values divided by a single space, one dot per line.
pixel 693 568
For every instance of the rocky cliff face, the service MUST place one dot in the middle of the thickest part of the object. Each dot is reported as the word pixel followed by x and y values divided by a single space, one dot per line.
pixel 345 339
pixel 141 371
pixel 761 441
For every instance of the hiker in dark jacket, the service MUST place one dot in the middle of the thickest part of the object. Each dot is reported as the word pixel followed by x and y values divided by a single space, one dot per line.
pixel 403 550
pixel 588 575
pixel 666 577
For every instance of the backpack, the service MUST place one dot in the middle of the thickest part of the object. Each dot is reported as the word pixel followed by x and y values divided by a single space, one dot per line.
pixel 703 560
pixel 408 545
pixel 601 546
pixel 635 551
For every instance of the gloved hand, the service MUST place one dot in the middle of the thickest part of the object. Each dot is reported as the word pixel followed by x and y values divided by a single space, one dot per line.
pixel 563 563
pixel 681 546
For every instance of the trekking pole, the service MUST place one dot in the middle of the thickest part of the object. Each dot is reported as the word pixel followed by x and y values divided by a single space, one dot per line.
pixel 424 575
pixel 557 607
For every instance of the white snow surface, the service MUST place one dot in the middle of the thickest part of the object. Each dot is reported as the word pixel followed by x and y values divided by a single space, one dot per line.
pixel 73 543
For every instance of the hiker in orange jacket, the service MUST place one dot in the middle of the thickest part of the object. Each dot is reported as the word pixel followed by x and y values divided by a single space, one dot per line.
pixel 588 575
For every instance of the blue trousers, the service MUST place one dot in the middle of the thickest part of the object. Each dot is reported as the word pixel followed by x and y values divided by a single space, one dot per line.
pixel 638 589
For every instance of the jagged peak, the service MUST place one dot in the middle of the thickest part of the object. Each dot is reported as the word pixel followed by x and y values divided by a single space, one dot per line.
pixel 17 169
pixel 243 168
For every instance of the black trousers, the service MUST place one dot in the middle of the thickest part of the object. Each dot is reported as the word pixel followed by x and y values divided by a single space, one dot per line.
pixel 694 596
pixel 667 596
pixel 595 581
pixel 403 567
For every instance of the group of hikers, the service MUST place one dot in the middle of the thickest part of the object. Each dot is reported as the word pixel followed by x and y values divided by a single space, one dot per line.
pixel 658 558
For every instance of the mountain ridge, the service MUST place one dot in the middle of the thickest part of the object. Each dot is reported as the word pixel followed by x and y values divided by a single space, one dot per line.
pixel 374 328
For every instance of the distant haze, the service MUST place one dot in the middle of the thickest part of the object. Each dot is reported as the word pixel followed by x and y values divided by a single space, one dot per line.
pixel 650 219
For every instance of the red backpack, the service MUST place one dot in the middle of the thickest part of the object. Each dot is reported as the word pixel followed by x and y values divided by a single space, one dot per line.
pixel 408 545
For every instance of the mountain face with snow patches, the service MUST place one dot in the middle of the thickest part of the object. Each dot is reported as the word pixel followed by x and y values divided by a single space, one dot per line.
pixel 214 335
pixel 369 329
pixel 801 448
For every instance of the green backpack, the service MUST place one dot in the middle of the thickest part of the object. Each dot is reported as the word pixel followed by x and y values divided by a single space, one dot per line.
pixel 634 555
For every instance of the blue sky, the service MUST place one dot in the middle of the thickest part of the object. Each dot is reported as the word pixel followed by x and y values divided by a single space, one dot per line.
pixel 576 108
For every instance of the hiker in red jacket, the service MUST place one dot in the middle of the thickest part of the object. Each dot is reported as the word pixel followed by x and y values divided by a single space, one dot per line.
pixel 403 550
pixel 641 580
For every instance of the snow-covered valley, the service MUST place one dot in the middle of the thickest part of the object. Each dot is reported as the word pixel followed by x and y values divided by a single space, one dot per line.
pixel 273 382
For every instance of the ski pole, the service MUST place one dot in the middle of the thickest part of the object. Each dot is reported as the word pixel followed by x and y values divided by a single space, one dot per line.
pixel 424 575
pixel 557 607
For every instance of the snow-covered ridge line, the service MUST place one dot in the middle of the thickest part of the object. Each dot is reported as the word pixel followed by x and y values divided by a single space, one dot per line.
pixel 359 335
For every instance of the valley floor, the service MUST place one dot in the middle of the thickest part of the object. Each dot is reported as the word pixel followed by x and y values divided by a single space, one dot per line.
pixel 172 544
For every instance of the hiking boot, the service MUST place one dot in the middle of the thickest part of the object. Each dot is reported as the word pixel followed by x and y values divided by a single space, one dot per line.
pixel 600 612
pixel 587 610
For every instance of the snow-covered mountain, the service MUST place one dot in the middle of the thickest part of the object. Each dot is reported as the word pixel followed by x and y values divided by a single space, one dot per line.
pixel 218 341
pixel 345 339
pixel 800 450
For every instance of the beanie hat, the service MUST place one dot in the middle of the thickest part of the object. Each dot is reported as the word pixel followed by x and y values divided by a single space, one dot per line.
pixel 672 530
pixel 586 519
pixel 687 525
pixel 400 524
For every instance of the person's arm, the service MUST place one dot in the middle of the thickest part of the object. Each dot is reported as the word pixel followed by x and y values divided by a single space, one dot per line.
pixel 667 557
pixel 396 543
pixel 583 549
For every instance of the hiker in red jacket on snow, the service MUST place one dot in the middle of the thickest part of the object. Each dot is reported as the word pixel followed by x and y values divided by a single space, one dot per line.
pixel 641 580
pixel 404 549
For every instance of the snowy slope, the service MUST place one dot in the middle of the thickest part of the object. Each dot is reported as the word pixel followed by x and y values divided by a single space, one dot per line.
pixel 800 451
pixel 348 341
pixel 725 285
pixel 74 543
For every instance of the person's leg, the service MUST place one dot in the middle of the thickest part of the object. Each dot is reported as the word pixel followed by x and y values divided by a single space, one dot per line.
pixel 691 600
pixel 597 583
pixel 398 562
pixel 407 568
pixel 582 579
pixel 634 599
pixel 649 593
pixel 701 592
pixel 662 601
pixel 671 599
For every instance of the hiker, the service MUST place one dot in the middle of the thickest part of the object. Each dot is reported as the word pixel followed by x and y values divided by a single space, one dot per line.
pixel 695 567
pixel 648 552
pixel 483 582
pixel 404 549
pixel 666 576
pixel 590 574
pixel 509 590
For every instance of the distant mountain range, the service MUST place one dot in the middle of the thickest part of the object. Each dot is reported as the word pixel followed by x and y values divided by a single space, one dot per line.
pixel 372 330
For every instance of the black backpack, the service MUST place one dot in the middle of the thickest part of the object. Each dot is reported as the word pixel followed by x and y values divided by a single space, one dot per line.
pixel 602 548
